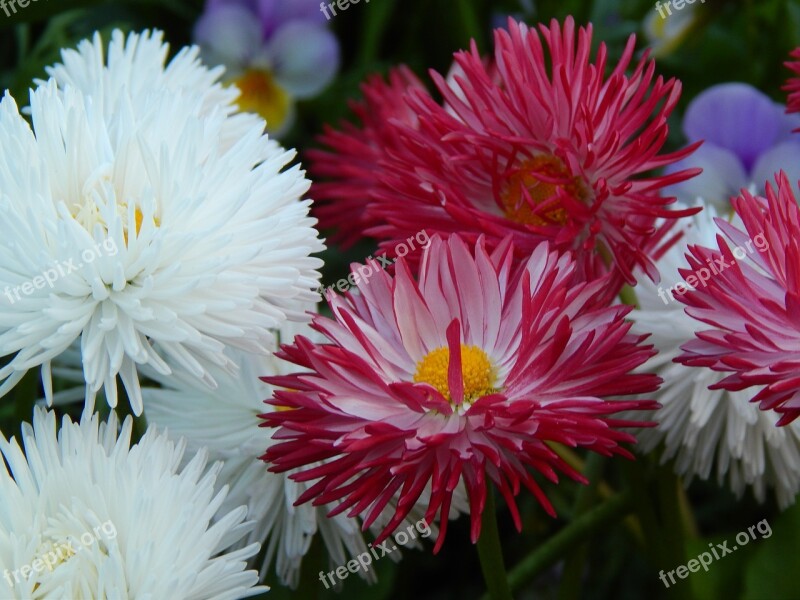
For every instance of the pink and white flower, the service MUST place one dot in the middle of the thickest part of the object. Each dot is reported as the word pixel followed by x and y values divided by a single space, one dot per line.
pixel 752 306
pixel 464 375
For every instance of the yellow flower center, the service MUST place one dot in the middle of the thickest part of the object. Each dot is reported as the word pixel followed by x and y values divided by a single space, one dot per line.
pixel 53 555
pixel 531 194
pixel 260 94
pixel 88 215
pixel 477 372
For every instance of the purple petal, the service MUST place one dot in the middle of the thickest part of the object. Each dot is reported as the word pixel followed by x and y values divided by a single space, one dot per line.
pixel 304 58
pixel 277 13
pixel 722 177
pixel 786 157
pixel 250 5
pixel 737 117
pixel 228 35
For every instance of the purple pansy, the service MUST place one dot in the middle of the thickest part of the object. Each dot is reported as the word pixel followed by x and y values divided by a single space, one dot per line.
pixel 275 51
pixel 748 138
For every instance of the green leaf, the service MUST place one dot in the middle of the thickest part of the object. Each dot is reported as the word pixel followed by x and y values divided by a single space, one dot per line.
pixel 773 570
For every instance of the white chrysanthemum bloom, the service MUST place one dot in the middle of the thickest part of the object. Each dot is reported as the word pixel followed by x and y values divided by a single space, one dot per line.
pixel 708 429
pixel 85 515
pixel 146 235
pixel 135 71
pixel 226 422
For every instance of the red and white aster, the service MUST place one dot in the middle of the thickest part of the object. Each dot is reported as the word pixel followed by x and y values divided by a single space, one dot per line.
pixel 463 375
pixel 349 170
pixel 752 303
pixel 793 83
pixel 536 143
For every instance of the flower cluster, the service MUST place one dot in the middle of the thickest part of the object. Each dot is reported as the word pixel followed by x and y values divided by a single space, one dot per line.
pixel 536 143
pixel 529 330
pixel 499 339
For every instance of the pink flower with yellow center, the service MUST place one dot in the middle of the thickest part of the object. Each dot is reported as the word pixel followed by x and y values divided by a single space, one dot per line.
pixel 750 299
pixel 464 375
pixel 537 143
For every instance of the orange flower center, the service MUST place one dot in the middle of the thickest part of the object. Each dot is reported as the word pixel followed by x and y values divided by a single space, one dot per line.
pixel 532 193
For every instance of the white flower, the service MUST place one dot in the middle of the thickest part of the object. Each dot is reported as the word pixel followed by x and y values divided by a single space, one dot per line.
pixel 159 235
pixel 85 515
pixel 135 72
pixel 226 421
pixel 708 429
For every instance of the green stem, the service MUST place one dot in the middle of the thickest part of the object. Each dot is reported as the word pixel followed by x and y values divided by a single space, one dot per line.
pixel 124 410
pixel 491 553
pixel 471 22
pixel 656 496
pixel 376 19
pixel 637 477
pixel 23 33
pixel 579 530
pixel 687 517
pixel 26 394
pixel 669 486
pixel 570 586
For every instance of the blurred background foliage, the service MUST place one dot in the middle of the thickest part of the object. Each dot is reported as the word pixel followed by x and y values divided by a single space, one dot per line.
pixel 730 40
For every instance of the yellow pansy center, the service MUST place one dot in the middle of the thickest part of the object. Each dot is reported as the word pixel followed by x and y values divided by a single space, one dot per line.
pixel 477 372
pixel 260 94
pixel 530 194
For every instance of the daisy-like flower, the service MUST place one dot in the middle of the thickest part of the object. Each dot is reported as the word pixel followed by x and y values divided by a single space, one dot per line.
pixel 746 138
pixel 793 84
pixel 85 515
pixel 145 234
pixel 463 376
pixel 346 174
pixel 125 76
pixel 275 51
pixel 752 301
pixel 226 422
pixel 708 429
pixel 538 144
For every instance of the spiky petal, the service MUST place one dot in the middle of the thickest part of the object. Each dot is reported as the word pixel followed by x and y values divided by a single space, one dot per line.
pixel 752 304
pixel 537 143
pixel 463 375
